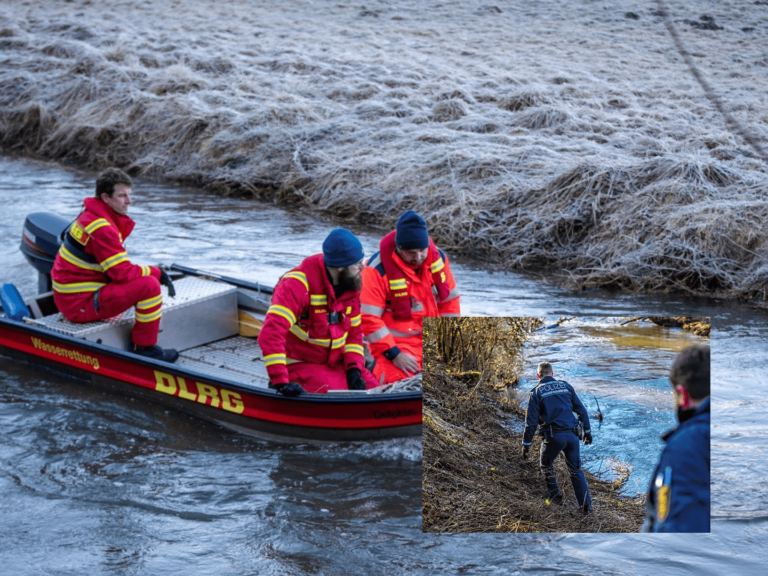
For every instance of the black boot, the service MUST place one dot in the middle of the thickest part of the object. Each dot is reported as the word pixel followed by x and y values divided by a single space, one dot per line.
pixel 166 355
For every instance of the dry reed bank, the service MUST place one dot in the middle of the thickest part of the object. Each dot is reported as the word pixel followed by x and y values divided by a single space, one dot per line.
pixel 473 476
pixel 567 135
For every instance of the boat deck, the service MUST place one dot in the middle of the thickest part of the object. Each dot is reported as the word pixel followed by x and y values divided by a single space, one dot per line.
pixel 236 358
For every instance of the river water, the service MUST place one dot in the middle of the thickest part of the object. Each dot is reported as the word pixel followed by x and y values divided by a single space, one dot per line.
pixel 98 483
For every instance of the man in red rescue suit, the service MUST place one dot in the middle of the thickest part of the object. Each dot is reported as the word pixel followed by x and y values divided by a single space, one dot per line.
pixel 311 338
pixel 93 278
pixel 407 280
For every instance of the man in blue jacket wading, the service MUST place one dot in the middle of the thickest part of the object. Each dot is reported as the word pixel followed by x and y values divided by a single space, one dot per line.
pixel 678 497
pixel 551 405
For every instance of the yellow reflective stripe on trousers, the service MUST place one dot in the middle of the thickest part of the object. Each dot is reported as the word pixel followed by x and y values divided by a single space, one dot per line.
pixel 355 320
pixel 300 276
pixel 149 302
pixel 72 259
pixel 282 311
pixel 296 330
pixel 77 287
pixel 114 260
pixel 354 348
pixel 95 225
pixel 271 359
pixel 151 317
pixel 437 266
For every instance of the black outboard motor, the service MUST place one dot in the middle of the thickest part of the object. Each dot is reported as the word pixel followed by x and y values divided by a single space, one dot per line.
pixel 40 241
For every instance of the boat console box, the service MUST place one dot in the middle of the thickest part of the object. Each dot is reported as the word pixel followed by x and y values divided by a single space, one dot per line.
pixel 199 302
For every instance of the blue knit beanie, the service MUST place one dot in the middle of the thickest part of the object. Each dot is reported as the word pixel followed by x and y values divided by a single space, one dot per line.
pixel 341 248
pixel 411 232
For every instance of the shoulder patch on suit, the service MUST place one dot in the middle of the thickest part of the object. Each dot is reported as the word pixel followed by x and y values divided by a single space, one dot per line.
pixel 663 494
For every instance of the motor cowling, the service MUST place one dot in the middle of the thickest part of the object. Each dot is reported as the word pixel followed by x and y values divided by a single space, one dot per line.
pixel 40 241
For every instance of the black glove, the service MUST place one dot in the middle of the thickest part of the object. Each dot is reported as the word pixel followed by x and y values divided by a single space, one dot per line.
pixel 165 280
pixel 587 438
pixel 525 451
pixel 290 390
pixel 355 379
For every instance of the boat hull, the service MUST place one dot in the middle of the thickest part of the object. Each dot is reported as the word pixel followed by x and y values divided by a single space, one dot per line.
pixel 260 412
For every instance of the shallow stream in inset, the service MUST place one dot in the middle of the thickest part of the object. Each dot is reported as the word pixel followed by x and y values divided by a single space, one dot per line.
pixel 624 369
pixel 98 483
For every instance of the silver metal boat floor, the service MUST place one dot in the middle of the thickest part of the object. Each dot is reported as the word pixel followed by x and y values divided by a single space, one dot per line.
pixel 237 358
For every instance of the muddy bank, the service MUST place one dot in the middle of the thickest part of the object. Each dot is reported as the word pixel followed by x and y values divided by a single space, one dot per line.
pixel 699 325
pixel 473 476
pixel 570 136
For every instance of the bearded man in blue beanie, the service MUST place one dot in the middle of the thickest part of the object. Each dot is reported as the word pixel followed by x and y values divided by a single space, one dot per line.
pixel 409 278
pixel 312 338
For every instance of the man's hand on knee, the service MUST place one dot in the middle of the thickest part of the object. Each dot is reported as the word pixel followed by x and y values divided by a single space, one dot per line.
pixel 407 363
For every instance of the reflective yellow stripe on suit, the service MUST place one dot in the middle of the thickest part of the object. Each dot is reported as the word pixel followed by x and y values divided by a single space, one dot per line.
pixel 437 266
pixel 96 224
pixel 282 311
pixel 150 317
pixel 318 299
pixel 355 320
pixel 271 359
pixel 354 348
pixel 114 260
pixel 149 303
pixel 339 342
pixel 398 284
pixel 77 287
pixel 297 330
pixel 72 259
pixel 300 276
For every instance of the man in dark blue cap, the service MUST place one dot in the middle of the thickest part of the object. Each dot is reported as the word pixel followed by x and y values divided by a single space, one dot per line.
pixel 407 280
pixel 312 339
pixel 678 497
pixel 551 405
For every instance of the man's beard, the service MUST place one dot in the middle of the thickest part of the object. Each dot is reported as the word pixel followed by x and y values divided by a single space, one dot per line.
pixel 348 282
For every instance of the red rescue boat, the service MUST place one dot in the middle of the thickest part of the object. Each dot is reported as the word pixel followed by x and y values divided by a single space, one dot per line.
pixel 220 374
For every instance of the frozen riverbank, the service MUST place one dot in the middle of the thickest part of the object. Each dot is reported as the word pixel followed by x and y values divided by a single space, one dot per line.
pixel 567 135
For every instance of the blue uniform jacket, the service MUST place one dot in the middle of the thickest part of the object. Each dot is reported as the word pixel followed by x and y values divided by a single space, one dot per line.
pixel 553 402
pixel 678 497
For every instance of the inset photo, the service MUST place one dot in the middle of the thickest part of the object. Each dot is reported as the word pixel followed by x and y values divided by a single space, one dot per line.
pixel 564 425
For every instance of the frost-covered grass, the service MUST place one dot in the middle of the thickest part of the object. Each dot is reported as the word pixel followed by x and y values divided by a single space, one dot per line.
pixel 564 134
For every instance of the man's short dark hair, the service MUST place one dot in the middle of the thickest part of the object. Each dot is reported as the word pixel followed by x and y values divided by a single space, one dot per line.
pixel 545 368
pixel 691 370
pixel 105 183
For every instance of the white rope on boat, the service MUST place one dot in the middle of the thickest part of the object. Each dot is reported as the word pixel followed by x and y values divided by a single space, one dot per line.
pixel 407 385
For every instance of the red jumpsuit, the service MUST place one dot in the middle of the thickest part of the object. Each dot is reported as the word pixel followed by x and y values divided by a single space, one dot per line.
pixel 93 278
pixel 301 342
pixel 429 291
